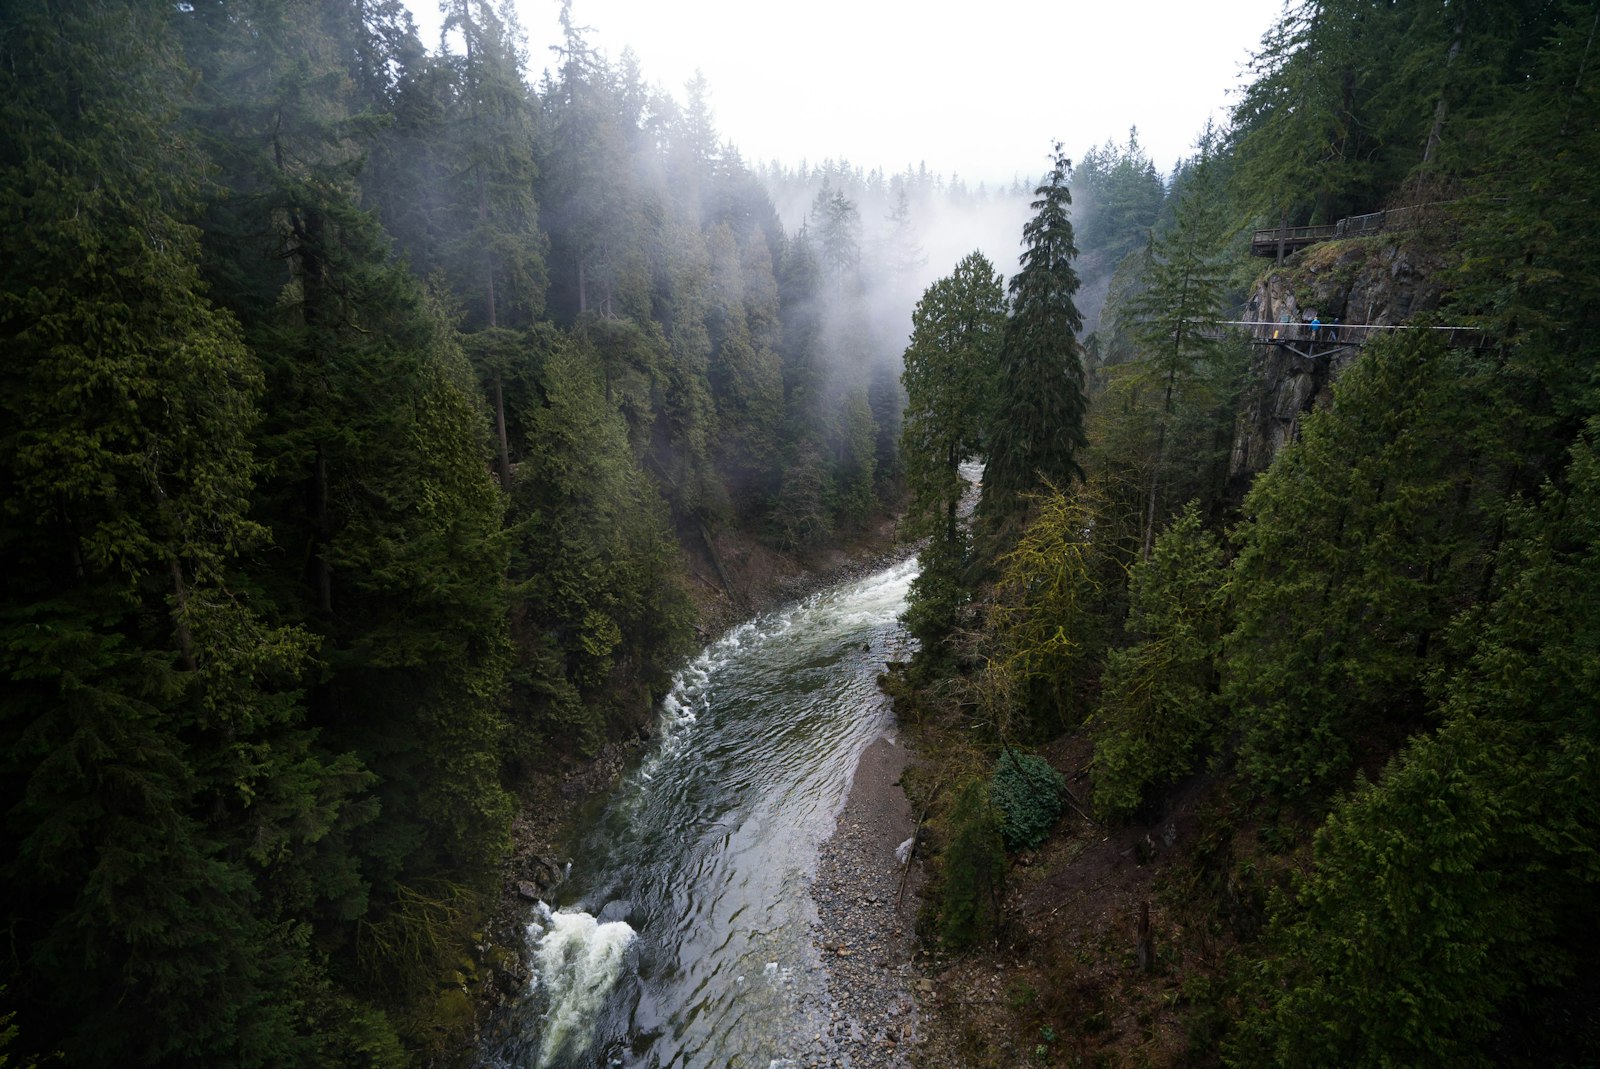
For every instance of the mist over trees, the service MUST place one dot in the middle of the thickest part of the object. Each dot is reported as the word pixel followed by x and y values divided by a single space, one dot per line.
pixel 363 406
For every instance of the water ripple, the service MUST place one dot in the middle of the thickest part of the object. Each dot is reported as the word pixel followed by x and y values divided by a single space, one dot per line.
pixel 711 846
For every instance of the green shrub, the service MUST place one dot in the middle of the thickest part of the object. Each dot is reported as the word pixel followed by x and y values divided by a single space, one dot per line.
pixel 1027 791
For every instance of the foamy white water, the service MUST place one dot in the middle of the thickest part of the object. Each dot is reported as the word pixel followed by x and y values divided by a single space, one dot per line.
pixel 578 959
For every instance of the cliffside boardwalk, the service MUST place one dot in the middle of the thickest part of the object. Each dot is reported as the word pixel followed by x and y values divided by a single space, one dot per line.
pixel 1280 241
pixel 1317 339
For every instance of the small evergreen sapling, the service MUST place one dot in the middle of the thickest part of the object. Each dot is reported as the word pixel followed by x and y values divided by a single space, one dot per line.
pixel 1027 792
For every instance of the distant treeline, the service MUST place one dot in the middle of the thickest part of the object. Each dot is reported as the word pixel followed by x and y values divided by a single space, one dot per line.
pixel 358 405
pixel 1369 689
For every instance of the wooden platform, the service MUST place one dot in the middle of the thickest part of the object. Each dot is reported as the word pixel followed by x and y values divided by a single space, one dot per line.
pixel 1294 238
pixel 1326 337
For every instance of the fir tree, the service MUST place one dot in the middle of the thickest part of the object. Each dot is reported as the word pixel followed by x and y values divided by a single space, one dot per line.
pixel 1037 427
pixel 950 378
pixel 1447 920
pixel 154 766
pixel 1160 708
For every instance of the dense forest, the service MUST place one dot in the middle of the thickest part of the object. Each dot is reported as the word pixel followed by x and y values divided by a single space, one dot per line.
pixel 363 406
pixel 1321 743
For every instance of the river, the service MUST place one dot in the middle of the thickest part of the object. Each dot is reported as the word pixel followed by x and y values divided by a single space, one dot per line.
pixel 685 933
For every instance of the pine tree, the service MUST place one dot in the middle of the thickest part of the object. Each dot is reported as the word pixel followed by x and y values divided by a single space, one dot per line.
pixel 152 765
pixel 496 257
pixel 1364 539
pixel 600 596
pixel 1052 614
pixel 1038 419
pixel 1181 380
pixel 1448 918
pixel 836 221
pixel 377 486
pixel 745 379
pixel 950 378
pixel 595 205
pixel 1160 709
pixel 1119 197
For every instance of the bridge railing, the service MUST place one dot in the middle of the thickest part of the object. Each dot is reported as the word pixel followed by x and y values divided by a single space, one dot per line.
pixel 1293 238
pixel 1350 333
pixel 1266 242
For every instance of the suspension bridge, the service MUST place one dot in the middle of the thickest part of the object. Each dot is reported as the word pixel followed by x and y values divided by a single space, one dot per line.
pixel 1315 339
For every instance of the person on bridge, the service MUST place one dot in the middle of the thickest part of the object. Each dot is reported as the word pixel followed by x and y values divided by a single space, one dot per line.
pixel 1316 325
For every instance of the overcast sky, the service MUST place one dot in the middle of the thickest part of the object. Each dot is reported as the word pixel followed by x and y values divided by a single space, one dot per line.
pixel 980 89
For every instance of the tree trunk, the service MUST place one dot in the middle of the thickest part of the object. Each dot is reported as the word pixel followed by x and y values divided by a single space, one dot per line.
pixel 1583 65
pixel 1146 951
pixel 1437 131
pixel 1155 467
pixel 180 596
pixel 500 429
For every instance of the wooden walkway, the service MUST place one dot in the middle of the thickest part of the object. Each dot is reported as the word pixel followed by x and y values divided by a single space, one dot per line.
pixel 1287 239
pixel 1327 339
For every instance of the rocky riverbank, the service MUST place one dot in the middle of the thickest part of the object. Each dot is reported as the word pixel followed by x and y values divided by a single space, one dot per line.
pixel 866 909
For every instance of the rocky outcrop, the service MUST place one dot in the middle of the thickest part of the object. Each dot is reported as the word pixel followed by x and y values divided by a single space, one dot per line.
pixel 1374 280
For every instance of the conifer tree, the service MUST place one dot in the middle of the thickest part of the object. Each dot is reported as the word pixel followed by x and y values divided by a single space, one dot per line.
pixel 1037 426
pixel 496 250
pixel 745 380
pixel 1120 195
pixel 1181 379
pixel 1364 539
pixel 377 487
pixel 1447 920
pixel 152 766
pixel 951 379
pixel 1160 708
pixel 836 222
pixel 599 591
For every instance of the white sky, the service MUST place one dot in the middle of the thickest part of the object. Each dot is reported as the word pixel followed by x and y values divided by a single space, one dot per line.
pixel 981 89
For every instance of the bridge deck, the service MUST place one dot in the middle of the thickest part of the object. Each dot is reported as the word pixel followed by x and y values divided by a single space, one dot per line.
pixel 1294 238
pixel 1346 334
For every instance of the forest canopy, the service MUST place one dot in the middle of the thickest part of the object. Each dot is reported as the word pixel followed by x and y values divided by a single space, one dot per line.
pixel 366 408
pixel 363 406
pixel 1304 616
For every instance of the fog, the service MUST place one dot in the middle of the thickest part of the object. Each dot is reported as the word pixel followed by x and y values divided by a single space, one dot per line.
pixel 977 92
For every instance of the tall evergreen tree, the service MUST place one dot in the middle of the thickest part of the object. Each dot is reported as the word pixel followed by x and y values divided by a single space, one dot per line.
pixel 836 221
pixel 496 256
pixel 1183 372
pixel 1160 709
pixel 1120 196
pixel 1365 538
pixel 1447 920
pixel 378 488
pixel 1037 426
pixel 601 611
pixel 951 379
pixel 152 768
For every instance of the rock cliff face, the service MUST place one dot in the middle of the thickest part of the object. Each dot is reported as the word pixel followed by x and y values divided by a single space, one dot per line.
pixel 1373 280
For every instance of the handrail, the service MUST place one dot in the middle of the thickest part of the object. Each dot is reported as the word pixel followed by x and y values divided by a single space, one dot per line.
pixel 1268 241
pixel 1343 333
pixel 1294 233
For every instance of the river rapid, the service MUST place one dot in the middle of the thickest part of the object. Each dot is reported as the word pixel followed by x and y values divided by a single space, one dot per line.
pixel 685 936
